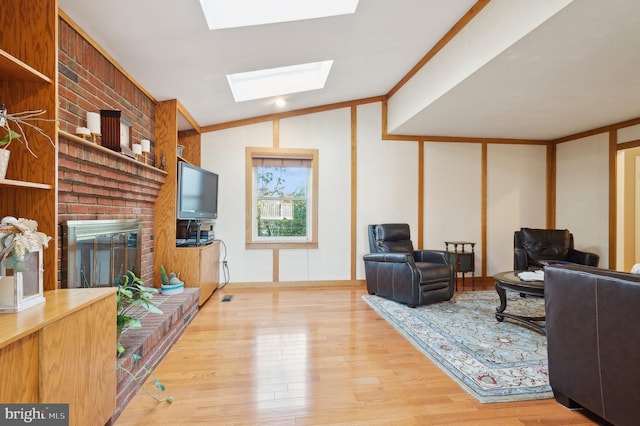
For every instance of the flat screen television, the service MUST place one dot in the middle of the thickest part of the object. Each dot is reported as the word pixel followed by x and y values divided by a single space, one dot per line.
pixel 197 196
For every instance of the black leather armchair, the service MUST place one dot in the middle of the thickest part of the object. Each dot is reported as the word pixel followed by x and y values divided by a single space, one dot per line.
pixel 593 343
pixel 534 248
pixel 396 271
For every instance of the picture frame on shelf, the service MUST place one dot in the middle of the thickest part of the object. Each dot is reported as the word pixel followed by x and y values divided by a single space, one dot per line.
pixel 125 134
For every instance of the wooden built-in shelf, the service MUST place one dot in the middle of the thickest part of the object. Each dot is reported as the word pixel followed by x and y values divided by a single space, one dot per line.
pixel 77 139
pixel 12 67
pixel 28 72
pixel 24 184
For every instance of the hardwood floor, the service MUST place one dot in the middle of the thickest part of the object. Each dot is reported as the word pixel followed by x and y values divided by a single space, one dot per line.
pixel 313 356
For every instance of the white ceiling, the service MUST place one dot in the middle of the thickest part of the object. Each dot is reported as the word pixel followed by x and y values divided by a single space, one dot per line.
pixel 578 70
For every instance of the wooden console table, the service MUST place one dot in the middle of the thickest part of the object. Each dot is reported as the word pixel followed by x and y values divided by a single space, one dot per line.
pixel 63 351
pixel 462 261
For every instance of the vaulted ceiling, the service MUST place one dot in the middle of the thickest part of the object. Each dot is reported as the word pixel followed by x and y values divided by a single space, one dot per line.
pixel 515 69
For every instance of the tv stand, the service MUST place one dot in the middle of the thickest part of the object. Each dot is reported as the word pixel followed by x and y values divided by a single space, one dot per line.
pixel 194 233
pixel 199 267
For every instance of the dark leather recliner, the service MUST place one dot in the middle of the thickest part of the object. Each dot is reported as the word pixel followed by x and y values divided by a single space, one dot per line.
pixel 534 248
pixel 396 271
pixel 593 343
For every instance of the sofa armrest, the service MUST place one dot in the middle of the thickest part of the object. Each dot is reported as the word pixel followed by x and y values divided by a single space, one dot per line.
pixel 431 256
pixel 583 257
pixel 394 276
pixel 520 260
pixel 388 257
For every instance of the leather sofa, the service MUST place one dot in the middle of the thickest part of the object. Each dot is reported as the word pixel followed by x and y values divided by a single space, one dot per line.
pixel 396 271
pixel 534 248
pixel 593 344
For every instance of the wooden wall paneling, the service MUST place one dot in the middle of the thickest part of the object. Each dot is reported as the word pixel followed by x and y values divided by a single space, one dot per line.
pixel 29 31
pixel 551 185
pixel 198 266
pixel 483 212
pixel 354 192
pixel 166 138
pixel 613 200
pixel 420 195
pixel 190 139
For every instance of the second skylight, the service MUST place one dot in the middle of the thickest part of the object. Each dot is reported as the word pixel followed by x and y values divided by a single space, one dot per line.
pixel 279 81
pixel 243 13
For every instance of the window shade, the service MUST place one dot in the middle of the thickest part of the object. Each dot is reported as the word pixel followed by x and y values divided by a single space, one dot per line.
pixel 280 160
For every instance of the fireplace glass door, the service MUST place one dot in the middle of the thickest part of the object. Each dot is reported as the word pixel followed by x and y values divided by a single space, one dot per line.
pixel 99 253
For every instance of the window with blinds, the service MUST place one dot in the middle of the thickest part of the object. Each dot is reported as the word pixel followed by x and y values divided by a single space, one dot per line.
pixel 283 188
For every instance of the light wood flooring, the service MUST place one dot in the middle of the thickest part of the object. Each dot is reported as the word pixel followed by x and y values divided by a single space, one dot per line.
pixel 313 356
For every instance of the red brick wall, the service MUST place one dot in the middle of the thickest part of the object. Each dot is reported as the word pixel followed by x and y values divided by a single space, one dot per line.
pixel 90 82
pixel 94 182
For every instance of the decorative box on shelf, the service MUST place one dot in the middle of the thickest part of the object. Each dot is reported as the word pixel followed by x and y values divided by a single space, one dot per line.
pixel 22 290
pixel 116 132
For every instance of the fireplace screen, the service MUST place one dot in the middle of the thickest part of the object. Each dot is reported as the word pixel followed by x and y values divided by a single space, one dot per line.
pixel 97 253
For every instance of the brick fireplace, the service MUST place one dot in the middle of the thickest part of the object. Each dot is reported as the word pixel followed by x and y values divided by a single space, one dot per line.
pixel 95 183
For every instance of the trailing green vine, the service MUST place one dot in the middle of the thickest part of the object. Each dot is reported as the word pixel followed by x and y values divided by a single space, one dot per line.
pixel 160 388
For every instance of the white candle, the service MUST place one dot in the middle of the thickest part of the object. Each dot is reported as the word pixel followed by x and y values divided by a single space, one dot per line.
pixel 83 131
pixel 93 122
pixel 7 291
pixel 137 148
pixel 146 145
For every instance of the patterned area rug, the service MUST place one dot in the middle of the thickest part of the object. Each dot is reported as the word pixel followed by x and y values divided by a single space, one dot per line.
pixel 493 361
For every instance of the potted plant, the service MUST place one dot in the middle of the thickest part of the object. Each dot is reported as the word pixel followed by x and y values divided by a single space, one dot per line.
pixel 5 153
pixel 19 120
pixel 171 283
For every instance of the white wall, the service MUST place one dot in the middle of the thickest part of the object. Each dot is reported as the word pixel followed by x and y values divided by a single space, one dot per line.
pixel 387 191
pixel 453 195
pixel 223 152
pixel 516 198
pixel 330 132
pixel 387 180
pixel 582 193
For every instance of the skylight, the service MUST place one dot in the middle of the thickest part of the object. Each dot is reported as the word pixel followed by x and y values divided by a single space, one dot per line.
pixel 279 81
pixel 243 13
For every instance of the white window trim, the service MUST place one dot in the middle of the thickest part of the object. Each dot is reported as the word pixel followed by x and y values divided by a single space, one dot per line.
pixel 252 240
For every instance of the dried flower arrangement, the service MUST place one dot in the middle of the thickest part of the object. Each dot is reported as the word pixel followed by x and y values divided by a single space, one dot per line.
pixel 18 237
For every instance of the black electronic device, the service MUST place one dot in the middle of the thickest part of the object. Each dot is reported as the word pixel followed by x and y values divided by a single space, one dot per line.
pixel 197 196
pixel 191 233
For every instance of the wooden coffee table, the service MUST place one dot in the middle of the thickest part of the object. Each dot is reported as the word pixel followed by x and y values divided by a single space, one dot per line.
pixel 511 282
